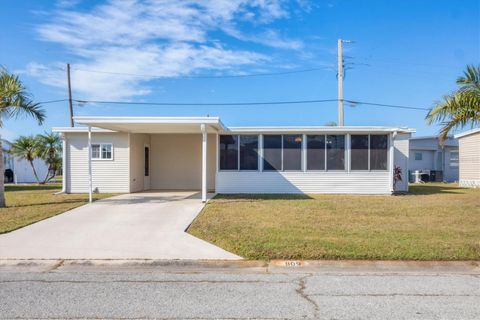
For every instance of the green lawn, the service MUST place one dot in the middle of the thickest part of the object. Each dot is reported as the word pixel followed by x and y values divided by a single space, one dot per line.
pixel 27 204
pixel 433 222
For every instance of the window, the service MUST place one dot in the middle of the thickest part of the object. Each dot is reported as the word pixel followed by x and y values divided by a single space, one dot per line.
pixel 316 152
pixel 418 156
pixel 335 152
pixel 272 152
pixel 292 152
pixel 378 152
pixel 359 152
pixel 95 151
pixel 454 159
pixel 228 152
pixel 102 151
pixel 147 161
pixel 248 152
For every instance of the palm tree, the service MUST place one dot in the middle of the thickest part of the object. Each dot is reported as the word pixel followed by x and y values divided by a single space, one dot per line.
pixel 15 101
pixel 26 148
pixel 460 108
pixel 49 148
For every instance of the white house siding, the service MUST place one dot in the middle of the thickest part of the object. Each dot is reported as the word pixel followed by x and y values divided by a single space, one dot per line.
pixel 176 161
pixel 303 182
pixel 108 175
pixel 469 147
pixel 400 159
pixel 137 165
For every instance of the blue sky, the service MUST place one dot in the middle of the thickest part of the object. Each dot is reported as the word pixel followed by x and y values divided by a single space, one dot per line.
pixel 405 53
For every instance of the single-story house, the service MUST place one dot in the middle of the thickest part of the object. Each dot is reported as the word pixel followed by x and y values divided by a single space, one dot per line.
pixel 19 170
pixel 438 162
pixel 131 154
pixel 469 147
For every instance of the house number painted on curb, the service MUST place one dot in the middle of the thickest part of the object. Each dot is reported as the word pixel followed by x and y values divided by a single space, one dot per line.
pixel 293 263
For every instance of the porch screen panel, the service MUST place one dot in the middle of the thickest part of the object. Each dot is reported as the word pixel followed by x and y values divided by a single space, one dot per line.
pixel 335 152
pixel 292 152
pixel 378 152
pixel 228 152
pixel 359 152
pixel 248 152
pixel 315 152
pixel 272 152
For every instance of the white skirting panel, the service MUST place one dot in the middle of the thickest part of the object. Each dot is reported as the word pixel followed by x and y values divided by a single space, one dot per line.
pixel 303 182
pixel 469 183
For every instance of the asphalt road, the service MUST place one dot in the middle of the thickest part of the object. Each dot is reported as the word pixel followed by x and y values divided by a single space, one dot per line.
pixel 174 292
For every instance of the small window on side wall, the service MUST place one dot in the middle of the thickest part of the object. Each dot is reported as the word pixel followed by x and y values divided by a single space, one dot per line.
pixel 418 156
pixel 102 151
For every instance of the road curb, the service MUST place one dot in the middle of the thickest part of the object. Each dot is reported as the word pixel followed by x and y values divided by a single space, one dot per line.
pixel 272 266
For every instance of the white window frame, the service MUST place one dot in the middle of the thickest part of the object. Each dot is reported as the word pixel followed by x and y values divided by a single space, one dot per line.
pixel 415 156
pixel 101 145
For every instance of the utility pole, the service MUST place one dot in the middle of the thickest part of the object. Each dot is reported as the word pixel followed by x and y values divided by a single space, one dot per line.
pixel 340 83
pixel 340 80
pixel 70 96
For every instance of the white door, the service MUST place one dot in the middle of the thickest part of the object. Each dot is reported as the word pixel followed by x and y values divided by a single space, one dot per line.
pixel 146 167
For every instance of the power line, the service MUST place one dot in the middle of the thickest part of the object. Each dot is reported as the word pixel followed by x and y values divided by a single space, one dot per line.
pixel 206 76
pixel 204 104
pixel 53 101
pixel 386 105
pixel 248 103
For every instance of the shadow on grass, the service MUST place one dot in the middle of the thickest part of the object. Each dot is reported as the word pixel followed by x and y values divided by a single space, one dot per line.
pixel 431 189
pixel 32 187
pixel 48 203
pixel 269 196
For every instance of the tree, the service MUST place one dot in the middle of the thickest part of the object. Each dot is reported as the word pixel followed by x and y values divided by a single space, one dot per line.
pixel 15 101
pixel 462 107
pixel 26 148
pixel 49 148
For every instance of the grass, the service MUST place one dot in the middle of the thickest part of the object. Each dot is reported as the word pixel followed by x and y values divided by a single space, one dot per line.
pixel 433 222
pixel 30 203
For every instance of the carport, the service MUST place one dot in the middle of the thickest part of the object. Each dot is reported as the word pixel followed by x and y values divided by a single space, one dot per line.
pixel 174 153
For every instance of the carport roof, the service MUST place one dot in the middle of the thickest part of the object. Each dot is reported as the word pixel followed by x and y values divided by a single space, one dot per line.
pixel 213 125
pixel 147 124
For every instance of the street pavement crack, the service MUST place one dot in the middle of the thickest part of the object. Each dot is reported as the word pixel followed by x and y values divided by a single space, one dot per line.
pixel 302 283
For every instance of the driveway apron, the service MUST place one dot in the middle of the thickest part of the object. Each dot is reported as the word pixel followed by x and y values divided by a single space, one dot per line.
pixel 147 225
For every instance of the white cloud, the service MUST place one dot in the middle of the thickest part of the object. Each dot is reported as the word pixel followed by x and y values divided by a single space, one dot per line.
pixel 156 37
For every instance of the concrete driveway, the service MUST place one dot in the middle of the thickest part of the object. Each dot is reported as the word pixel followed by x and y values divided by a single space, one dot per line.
pixel 147 225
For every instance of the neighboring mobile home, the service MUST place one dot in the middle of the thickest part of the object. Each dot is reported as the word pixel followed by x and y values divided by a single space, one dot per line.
pixel 469 148
pixel 20 168
pixel 130 154
pixel 438 162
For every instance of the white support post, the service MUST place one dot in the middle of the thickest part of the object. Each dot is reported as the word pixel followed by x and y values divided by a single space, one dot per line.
pixel 64 163
pixel 392 162
pixel 304 152
pixel 204 162
pixel 348 146
pixel 90 187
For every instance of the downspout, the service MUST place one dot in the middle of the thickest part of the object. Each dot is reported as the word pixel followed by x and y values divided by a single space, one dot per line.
pixel 64 163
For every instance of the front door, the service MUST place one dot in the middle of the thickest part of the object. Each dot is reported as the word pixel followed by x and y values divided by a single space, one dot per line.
pixel 146 166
